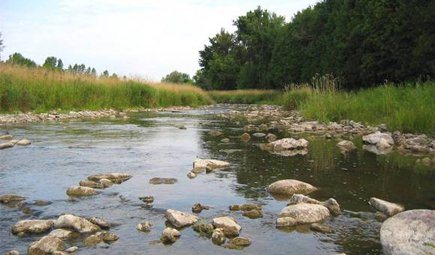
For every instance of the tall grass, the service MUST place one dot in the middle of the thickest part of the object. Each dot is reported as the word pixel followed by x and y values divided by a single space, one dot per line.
pixel 35 89
pixel 405 107
pixel 246 96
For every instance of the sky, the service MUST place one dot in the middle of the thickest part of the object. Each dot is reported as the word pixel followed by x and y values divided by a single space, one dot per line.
pixel 136 38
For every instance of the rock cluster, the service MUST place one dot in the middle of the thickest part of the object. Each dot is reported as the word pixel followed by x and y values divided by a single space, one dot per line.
pixel 91 186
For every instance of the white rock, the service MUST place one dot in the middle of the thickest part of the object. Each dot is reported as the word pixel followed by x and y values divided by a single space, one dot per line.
pixel 76 223
pixel 6 145
pixel 409 232
pixel 305 213
pixel 62 234
pixel 375 138
pixel 346 145
pixel 286 222
pixel 24 142
pixel 170 235
pixel 180 219
pixel 228 225
pixel 218 237
pixel 46 245
pixel 289 144
pixel 31 226
pixel 200 165
pixel 290 187
pixel 387 208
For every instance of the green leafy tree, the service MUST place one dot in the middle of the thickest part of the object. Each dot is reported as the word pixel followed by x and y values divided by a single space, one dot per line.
pixel 105 74
pixel 1 45
pixel 177 77
pixel 18 59
pixel 50 63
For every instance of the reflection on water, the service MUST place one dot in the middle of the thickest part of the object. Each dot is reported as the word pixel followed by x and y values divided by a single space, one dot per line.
pixel 151 145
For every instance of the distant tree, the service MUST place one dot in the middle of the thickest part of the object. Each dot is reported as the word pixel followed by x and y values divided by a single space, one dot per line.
pixel 1 45
pixel 177 77
pixel 18 59
pixel 60 64
pixel 105 74
pixel 94 72
pixel 114 76
pixel 50 63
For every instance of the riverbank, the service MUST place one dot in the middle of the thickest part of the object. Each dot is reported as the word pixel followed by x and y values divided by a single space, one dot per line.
pixel 39 90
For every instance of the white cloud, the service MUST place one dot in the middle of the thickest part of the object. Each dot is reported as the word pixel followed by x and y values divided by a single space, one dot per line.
pixel 149 38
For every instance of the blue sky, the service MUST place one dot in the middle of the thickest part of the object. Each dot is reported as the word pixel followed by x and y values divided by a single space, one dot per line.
pixel 144 38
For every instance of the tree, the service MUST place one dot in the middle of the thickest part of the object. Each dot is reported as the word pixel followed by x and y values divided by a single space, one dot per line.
pixel 105 74
pixel 59 64
pixel 18 59
pixel 1 45
pixel 177 77
pixel 50 63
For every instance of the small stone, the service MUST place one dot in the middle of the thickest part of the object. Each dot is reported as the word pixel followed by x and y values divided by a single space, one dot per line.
pixel 191 175
pixel 31 226
pixel 72 249
pixel 6 137
pixel 46 245
pixel 228 224
pixel 271 137
pixel 24 142
pixel 259 135
pixel 320 228
pixel 253 214
pixel 225 140
pixel 197 208
pixel 81 191
pixel 380 216
pixel 157 181
pixel 170 235
pixel 245 137
pixel 106 183
pixel 144 227
pixel 215 133
pixel 234 208
pixel 99 222
pixel 11 199
pixel 6 145
pixel 147 199
pixel 285 222
pixel 12 253
pixel 290 187
pixel 240 241
pixel 42 203
pixel 91 184
pixel 203 228
pixel 218 237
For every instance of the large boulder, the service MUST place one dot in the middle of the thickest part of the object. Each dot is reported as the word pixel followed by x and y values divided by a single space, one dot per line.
pixel 228 225
pixel 114 177
pixel 79 191
pixel 76 223
pixel 305 213
pixel 180 219
pixel 331 203
pixel 388 208
pixel 289 144
pixel 46 245
pixel 409 232
pixel 379 138
pixel 6 199
pixel 31 227
pixel 200 165
pixel 289 187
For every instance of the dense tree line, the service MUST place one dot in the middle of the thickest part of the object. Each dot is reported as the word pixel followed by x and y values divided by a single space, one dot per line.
pixel 364 42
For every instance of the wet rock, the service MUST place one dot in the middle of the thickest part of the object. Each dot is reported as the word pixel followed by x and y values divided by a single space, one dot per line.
pixel 147 199
pixel 7 199
pixel 409 232
pixel 12 253
pixel 197 208
pixel 144 227
pixel 191 175
pixel 76 223
pixel 72 249
pixel 203 228
pixel 253 214
pixel 225 140
pixel 320 228
pixel 215 133
pixel 81 191
pixel 24 142
pixel 6 145
pixel 182 127
pixel 289 144
pixel 6 137
pixel 228 224
pixel 91 184
pixel 31 227
pixel 377 150
pixel 290 187
pixel 218 237
pixel 245 137
pixel 42 203
pixel 305 213
pixel 259 135
pixel 271 137
pixel 346 146
pixel 26 210
pixel 114 177
pixel 286 222
pixel 170 235
pixel 244 207
pixel 387 208
pixel 99 222
pixel 46 245
pixel 332 206
pixel 180 219
pixel 200 165
pixel 157 181
pixel 378 137
pixel 380 216
pixel 62 234
pixel 240 241
pixel 250 128
pixel 101 237
pixel 106 183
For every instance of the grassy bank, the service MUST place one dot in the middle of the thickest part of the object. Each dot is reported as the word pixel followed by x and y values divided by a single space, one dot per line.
pixel 39 90
pixel 246 96
pixel 404 107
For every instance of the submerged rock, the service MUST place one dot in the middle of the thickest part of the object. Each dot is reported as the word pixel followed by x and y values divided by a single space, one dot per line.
pixel 46 245
pixel 346 146
pixel 147 199
pixel 320 228
pixel 76 223
pixel 144 227
pixel 240 241
pixel 12 253
pixel 6 145
pixel 200 165
pixel 228 224
pixel 203 228
pixel 7 199
pixel 289 144
pixel 253 214
pixel 6 137
pixel 409 232
pixel 122 177
pixel 81 191
pixel 31 227
pixel 379 139
pixel 101 237
pixel 244 207
pixel 385 207
pixel 215 133
pixel 180 219
pixel 290 187
pixel 286 222
pixel 24 142
pixel 305 213
pixel 99 222
pixel 197 208
pixel 218 237
pixel 158 180
pixel 63 234
pixel 91 184
pixel 170 235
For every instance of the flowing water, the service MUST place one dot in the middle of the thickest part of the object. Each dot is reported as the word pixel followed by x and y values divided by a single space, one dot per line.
pixel 151 145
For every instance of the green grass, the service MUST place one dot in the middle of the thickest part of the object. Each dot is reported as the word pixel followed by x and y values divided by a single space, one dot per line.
pixel 246 96
pixel 404 107
pixel 39 90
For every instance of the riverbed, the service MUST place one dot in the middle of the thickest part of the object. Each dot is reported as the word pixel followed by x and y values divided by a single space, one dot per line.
pixel 151 144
